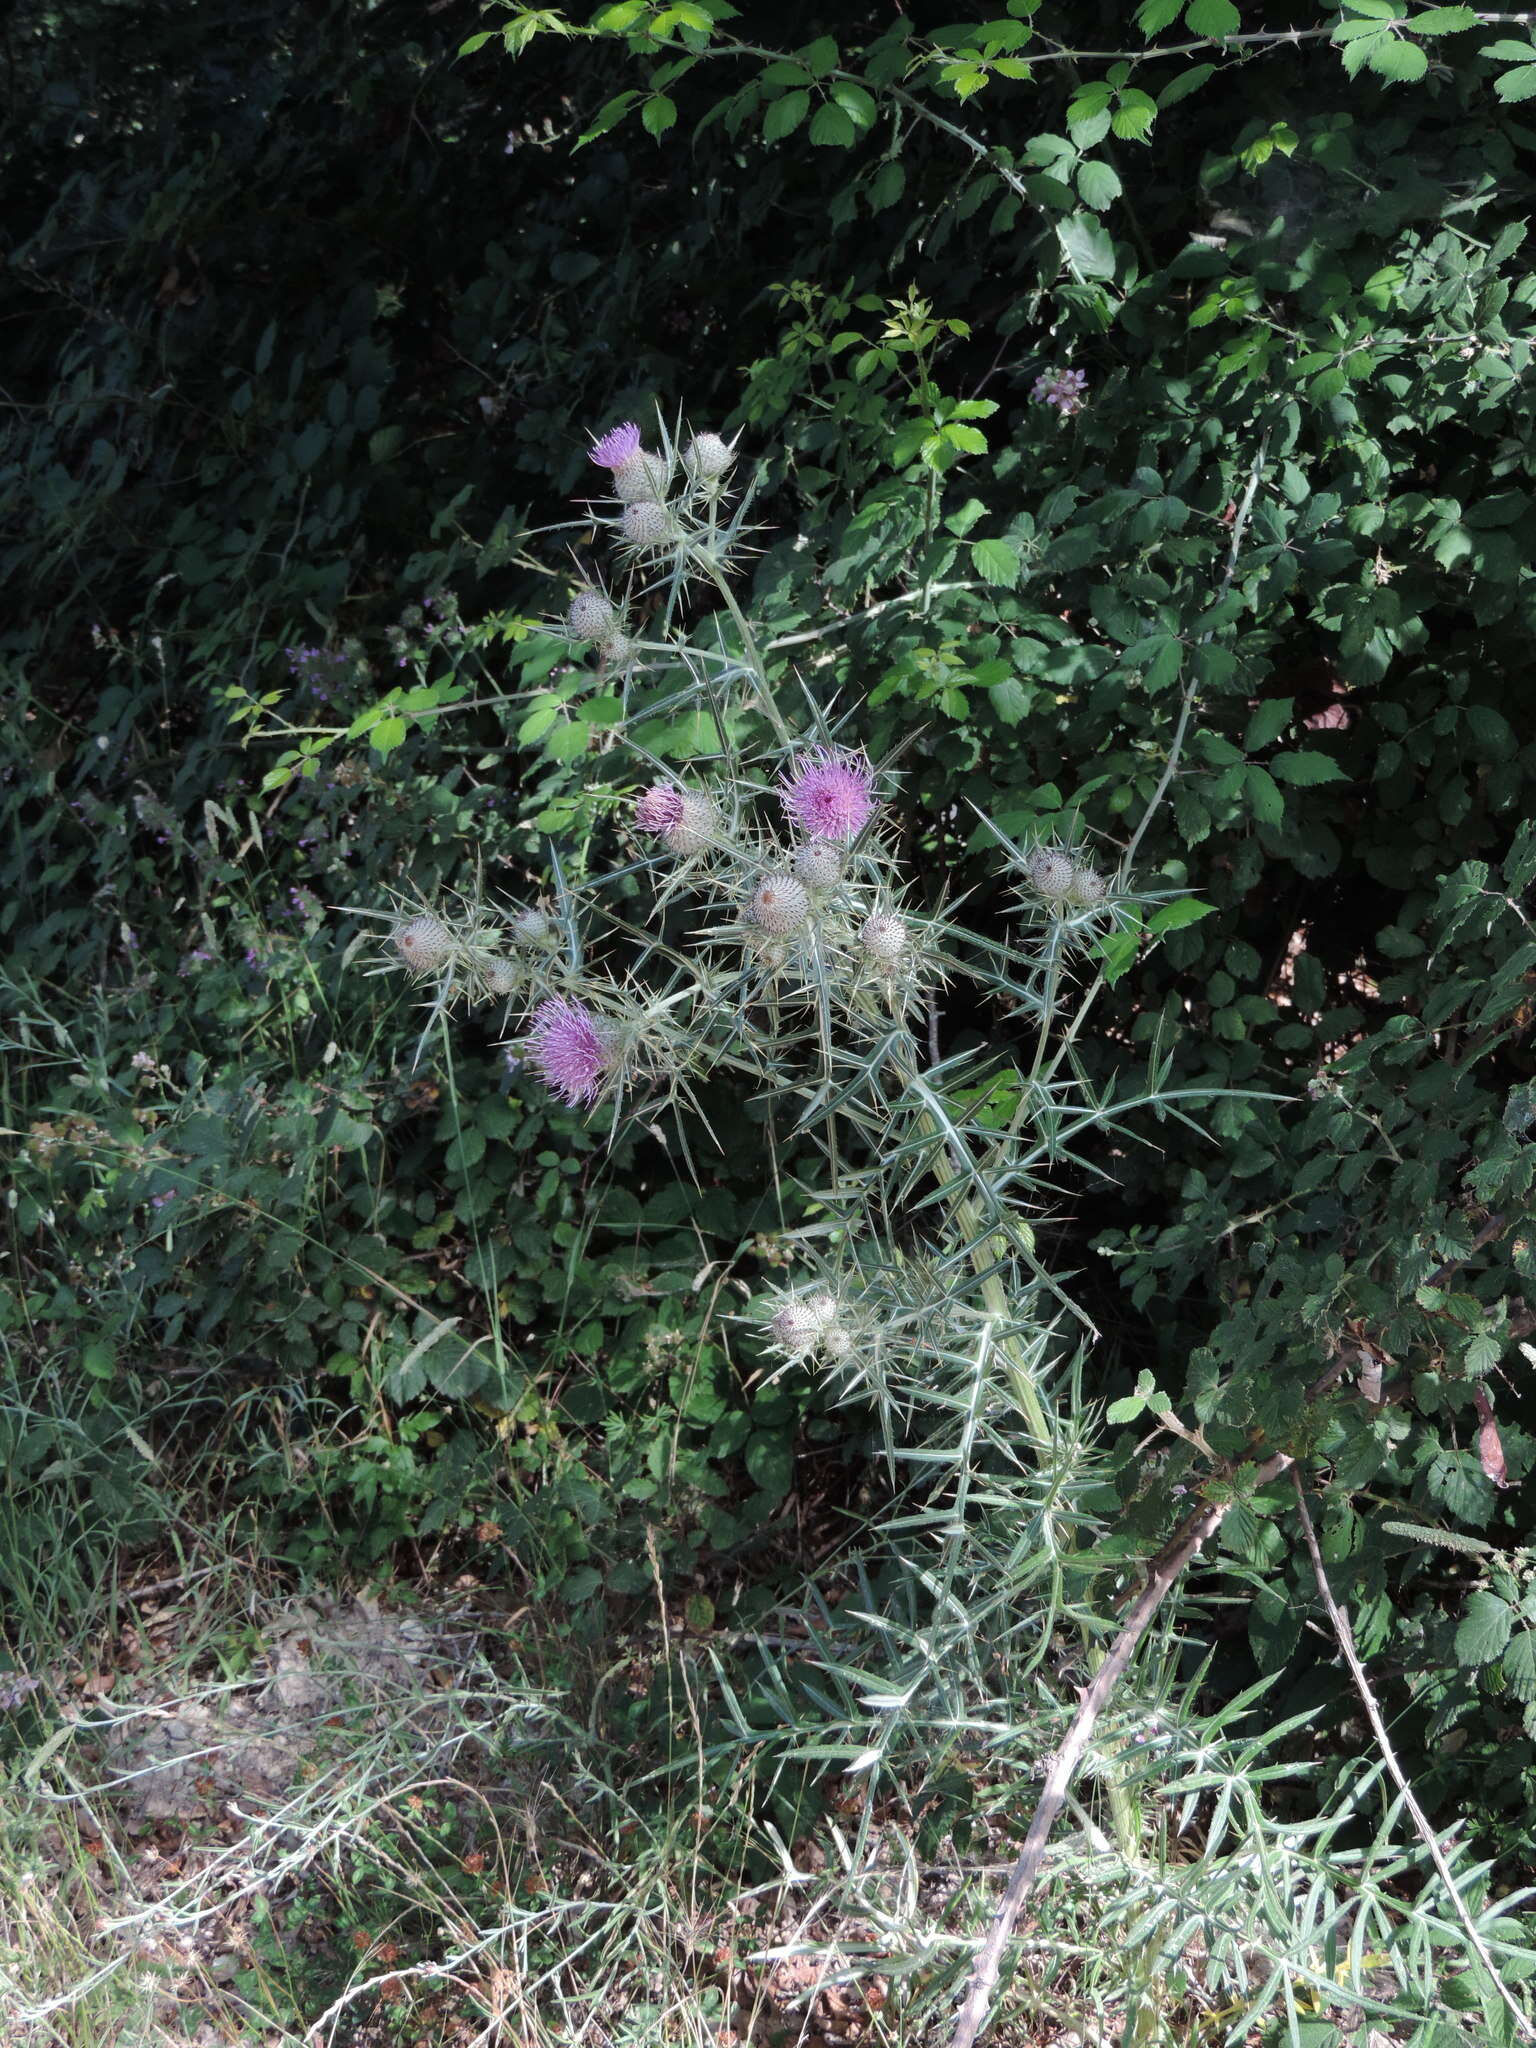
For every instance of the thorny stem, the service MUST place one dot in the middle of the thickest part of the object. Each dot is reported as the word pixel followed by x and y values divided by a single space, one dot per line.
pixel 1344 1635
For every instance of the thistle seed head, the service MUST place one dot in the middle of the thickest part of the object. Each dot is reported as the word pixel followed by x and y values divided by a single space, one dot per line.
pixel 884 937
pixel 1050 874
pixel 647 524
pixel 424 943
pixel 819 865
pixel 590 616
pixel 779 904
pixel 707 458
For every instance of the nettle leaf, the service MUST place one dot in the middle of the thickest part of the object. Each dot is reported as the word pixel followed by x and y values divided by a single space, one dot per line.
pixel 1484 1629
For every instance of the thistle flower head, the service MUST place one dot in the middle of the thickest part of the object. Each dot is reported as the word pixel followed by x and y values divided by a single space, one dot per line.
pixel 590 616
pixel 819 864
pixel 684 819
pixel 647 525
pixel 501 977
pixel 659 808
pixel 618 650
pixel 884 937
pixel 567 1047
pixel 779 904
pixel 531 927
pixel 1062 388
pixel 616 447
pixel 424 943
pixel 796 1327
pixel 830 794
pixel 1050 873
pixel 707 458
pixel 1088 886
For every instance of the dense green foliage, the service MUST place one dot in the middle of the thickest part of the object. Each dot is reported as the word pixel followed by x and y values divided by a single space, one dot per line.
pixel 315 315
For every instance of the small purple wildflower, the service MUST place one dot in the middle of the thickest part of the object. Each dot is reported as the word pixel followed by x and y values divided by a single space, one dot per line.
pixel 14 1687
pixel 567 1049
pixel 659 808
pixel 617 446
pixel 830 795
pixel 1062 388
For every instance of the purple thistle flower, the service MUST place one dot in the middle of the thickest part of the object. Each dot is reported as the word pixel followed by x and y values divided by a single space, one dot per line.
pixel 830 795
pixel 659 808
pixel 1062 388
pixel 616 446
pixel 567 1048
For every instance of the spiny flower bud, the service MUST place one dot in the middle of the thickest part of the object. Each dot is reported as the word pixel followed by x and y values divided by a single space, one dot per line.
pixel 1050 873
pixel 779 904
pixel 590 617
pixel 884 937
pixel 424 943
pixel 501 977
pixel 618 650
pixel 1088 886
pixel 818 865
pixel 647 525
pixel 644 475
pixel 531 927
pixel 824 1307
pixel 708 457
pixel 836 1342
pixel 796 1327
pixel 683 818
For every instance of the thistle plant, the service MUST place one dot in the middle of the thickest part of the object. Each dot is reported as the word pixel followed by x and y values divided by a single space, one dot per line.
pixel 764 925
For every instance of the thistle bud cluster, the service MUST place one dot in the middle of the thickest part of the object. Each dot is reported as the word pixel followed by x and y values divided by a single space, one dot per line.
pixel 1066 880
pixel 670 500
pixel 805 1323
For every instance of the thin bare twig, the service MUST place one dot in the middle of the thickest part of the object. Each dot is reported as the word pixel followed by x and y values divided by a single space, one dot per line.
pixel 1163 1574
pixel 1344 1635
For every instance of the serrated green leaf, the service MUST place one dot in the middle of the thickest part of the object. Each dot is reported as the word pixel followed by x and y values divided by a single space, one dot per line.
pixel 819 57
pixel 1519 84
pixel 1269 720
pixel 1264 797
pixel 855 102
pixel 997 562
pixel 1173 917
pixel 1212 18
pixel 658 114
pixel 1098 184
pixel 1484 1628
pixel 1153 16
pixel 1443 21
pixel 1307 769
pixel 831 127
pixel 1393 58
pixel 1520 1665
pixel 785 115
pixel 1087 247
